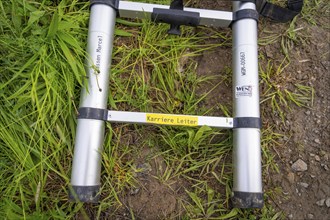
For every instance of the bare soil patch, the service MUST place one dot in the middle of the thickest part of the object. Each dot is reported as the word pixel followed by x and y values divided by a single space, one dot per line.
pixel 304 194
pixel 306 130
pixel 150 197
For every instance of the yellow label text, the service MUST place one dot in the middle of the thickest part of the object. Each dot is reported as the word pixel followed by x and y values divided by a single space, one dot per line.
pixel 172 119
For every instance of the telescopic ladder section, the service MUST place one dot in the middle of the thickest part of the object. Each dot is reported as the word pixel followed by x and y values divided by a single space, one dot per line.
pixel 246 123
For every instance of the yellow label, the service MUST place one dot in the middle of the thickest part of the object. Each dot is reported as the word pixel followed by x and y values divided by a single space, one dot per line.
pixel 172 119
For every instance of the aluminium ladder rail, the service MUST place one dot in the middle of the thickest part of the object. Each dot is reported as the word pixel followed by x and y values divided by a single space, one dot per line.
pixel 246 124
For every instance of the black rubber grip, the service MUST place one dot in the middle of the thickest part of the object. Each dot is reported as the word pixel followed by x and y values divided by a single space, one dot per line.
pixel 176 17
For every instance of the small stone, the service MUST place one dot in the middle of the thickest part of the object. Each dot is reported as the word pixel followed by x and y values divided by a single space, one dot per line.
pixel 145 167
pixel 290 216
pixel 317 141
pixel 290 177
pixel 310 216
pixel 327 202
pixel 299 166
pixel 134 191
pixel 325 166
pixel 308 112
pixel 305 185
pixel 320 202
pixel 322 153
pixel 317 158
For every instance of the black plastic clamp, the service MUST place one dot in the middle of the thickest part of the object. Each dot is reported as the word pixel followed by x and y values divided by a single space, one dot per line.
pixel 112 3
pixel 278 13
pixel 93 113
pixel 247 122
pixel 245 13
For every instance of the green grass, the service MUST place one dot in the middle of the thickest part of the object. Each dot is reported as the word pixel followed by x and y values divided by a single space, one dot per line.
pixel 281 91
pixel 42 69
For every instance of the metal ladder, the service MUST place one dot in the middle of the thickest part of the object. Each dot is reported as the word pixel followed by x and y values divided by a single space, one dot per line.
pixel 245 123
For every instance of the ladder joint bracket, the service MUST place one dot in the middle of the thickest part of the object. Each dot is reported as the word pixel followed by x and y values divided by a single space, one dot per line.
pixel 93 113
pixel 245 13
pixel 112 3
pixel 247 122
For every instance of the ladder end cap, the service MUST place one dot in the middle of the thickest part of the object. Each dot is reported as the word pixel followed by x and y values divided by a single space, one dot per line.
pixel 88 194
pixel 247 200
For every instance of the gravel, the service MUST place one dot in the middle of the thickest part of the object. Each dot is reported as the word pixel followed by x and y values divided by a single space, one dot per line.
pixel 327 202
pixel 320 202
pixel 299 166
pixel 305 185
pixel 310 216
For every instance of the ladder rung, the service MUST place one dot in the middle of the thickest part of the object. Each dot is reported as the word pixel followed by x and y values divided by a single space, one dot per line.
pixel 210 18
pixel 169 119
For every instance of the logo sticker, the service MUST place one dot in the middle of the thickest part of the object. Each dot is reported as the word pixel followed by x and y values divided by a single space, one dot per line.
pixel 243 91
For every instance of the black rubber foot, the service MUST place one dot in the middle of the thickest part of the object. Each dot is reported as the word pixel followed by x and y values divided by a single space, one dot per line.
pixel 88 194
pixel 248 200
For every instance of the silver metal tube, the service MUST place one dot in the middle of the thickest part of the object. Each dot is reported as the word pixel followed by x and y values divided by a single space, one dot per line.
pixel 86 168
pixel 247 188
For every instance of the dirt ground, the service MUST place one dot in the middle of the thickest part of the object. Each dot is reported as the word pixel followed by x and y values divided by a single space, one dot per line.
pixel 306 191
pixel 302 152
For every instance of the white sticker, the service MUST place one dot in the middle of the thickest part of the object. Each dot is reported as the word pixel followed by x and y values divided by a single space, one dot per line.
pixel 243 91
